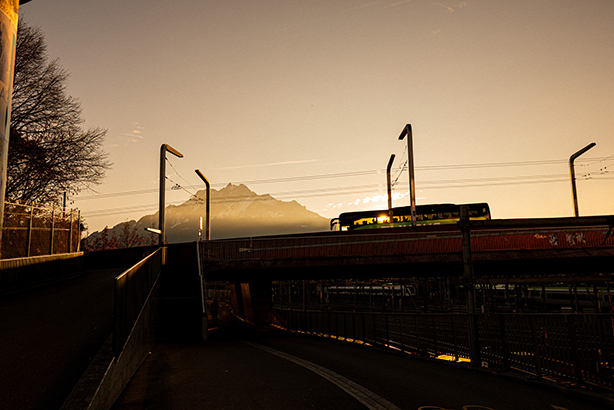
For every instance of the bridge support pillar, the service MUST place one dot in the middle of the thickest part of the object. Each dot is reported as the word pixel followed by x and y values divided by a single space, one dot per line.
pixel 252 301
pixel 468 278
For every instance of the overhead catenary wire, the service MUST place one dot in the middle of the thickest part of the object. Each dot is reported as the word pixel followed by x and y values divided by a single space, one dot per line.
pixel 341 175
pixel 357 189
pixel 360 189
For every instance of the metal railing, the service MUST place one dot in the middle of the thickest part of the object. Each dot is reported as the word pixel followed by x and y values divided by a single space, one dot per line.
pixel 35 231
pixel 133 289
pixel 577 347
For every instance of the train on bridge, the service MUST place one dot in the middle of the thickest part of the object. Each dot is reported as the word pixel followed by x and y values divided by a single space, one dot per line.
pixel 399 217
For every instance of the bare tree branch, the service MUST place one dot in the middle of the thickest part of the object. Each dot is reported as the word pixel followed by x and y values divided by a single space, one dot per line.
pixel 49 152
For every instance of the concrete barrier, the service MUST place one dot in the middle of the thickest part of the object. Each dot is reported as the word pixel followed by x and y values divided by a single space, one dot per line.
pixel 23 273
pixel 109 373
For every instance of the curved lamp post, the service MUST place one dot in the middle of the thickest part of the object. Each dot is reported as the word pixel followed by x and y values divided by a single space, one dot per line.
pixel 163 149
pixel 389 187
pixel 573 176
pixel 410 165
pixel 208 208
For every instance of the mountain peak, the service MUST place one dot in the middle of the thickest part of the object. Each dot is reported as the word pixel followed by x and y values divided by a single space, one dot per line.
pixel 237 211
pixel 231 190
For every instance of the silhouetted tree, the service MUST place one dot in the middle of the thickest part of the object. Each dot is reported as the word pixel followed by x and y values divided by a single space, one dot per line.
pixel 128 235
pixel 101 242
pixel 49 152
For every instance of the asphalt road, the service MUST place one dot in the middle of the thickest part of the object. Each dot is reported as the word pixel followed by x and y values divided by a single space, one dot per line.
pixel 49 336
pixel 274 370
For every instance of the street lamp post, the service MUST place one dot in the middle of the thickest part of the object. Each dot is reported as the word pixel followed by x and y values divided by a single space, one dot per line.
pixel 208 208
pixel 573 176
pixel 163 149
pixel 410 165
pixel 389 186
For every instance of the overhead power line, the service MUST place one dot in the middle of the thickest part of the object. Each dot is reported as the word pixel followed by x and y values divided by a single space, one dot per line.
pixel 347 175
pixel 362 189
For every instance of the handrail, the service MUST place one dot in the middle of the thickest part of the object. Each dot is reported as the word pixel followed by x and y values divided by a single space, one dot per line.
pixel 132 289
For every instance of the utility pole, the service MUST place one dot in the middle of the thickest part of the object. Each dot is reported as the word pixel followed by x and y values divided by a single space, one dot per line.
pixel 163 149
pixel 573 176
pixel 389 185
pixel 208 209
pixel 410 165
pixel 10 11
pixel 468 279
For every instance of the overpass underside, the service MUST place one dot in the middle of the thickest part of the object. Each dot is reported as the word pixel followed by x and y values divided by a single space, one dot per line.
pixel 564 251
pixel 498 248
pixel 494 264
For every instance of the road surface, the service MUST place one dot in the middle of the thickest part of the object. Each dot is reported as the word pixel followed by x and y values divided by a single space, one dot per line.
pixel 274 370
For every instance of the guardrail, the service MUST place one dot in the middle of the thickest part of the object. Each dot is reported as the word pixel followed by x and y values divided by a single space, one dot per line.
pixel 578 347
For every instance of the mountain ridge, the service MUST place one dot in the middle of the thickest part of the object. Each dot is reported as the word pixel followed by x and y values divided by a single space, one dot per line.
pixel 236 211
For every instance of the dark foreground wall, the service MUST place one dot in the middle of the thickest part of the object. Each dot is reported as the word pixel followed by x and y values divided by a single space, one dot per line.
pixel 21 273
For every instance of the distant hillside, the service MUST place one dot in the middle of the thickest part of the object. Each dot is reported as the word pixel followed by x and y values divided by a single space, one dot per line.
pixel 236 212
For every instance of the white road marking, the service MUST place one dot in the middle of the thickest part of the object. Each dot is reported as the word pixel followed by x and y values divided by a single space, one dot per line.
pixel 365 396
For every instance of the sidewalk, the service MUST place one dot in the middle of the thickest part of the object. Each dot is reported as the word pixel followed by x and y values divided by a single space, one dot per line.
pixel 178 375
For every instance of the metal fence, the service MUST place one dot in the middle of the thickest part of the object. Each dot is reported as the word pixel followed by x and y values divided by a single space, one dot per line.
pixel 34 231
pixel 577 347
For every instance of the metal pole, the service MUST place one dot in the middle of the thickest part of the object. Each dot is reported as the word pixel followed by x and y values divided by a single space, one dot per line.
pixel 410 165
pixel 467 258
pixel 573 176
pixel 162 194
pixel 10 12
pixel 389 184
pixel 163 149
pixel 464 225
pixel 52 229
pixel 208 209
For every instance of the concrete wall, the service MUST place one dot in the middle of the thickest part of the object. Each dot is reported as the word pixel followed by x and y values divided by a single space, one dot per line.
pixel 23 273
pixel 107 376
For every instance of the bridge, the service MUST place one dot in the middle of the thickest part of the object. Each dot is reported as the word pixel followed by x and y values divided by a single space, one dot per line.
pixel 558 250
pixel 499 248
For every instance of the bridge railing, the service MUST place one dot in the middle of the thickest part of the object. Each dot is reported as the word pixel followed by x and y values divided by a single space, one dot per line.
pixel 381 243
pixel 574 347
pixel 133 289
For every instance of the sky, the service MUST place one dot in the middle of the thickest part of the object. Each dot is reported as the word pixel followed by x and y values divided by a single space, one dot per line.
pixel 306 100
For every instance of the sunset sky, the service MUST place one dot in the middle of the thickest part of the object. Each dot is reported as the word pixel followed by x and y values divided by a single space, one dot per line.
pixel 306 100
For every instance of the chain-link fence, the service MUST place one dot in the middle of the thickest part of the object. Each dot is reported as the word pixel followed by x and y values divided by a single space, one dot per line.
pixel 34 231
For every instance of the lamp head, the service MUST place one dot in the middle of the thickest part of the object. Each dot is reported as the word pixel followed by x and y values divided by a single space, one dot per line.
pixel 406 131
